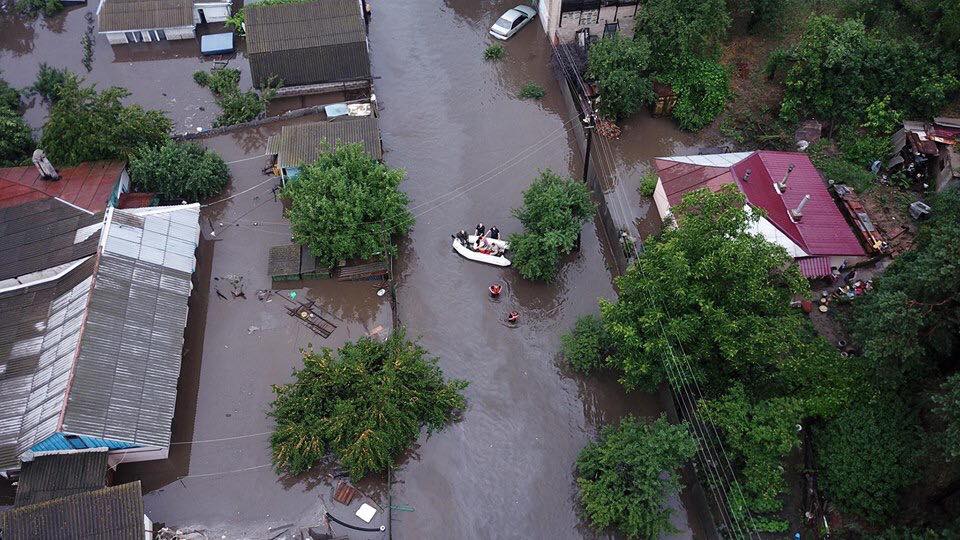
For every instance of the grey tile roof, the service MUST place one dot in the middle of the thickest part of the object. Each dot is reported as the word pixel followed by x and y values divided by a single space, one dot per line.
pixel 301 143
pixel 113 513
pixel 307 43
pixel 120 15
pixel 52 476
pixel 125 382
pixel 39 331
pixel 43 234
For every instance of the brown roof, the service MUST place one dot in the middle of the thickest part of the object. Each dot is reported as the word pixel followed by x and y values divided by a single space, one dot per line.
pixel 53 476
pixel 301 143
pixel 120 15
pixel 307 43
pixel 113 513
pixel 89 185
pixel 678 179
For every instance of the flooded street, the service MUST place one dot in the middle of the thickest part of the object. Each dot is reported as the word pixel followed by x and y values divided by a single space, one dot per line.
pixel 470 147
pixel 158 75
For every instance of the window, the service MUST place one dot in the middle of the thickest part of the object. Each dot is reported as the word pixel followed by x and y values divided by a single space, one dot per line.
pixel 519 20
pixel 157 35
pixel 130 37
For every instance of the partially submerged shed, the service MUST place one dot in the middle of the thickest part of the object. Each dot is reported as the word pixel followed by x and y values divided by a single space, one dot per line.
pixel 309 47
pixel 112 513
pixel 301 144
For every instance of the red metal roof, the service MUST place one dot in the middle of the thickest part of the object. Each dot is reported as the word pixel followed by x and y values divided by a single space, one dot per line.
pixel 133 199
pixel 814 267
pixel 822 230
pixel 88 185
pixel 679 179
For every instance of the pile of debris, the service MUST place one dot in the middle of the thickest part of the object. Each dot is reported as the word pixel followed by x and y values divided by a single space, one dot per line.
pixel 606 128
pixel 927 152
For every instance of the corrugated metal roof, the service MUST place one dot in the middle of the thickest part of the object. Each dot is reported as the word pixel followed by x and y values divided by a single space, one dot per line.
pixel 120 15
pixel 125 383
pixel 301 143
pixel 39 331
pixel 53 476
pixel 113 513
pixel 42 234
pixel 307 43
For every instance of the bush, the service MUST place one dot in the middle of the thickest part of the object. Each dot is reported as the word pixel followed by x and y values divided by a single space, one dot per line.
pixel 366 405
pixel 9 97
pixel 493 52
pixel 587 345
pixel 881 118
pixel 236 107
pixel 34 7
pixel 621 68
pixel 838 170
pixel 648 184
pixel 554 210
pixel 532 91
pixel 873 443
pixel 839 69
pixel 49 80
pixel 16 142
pixel 346 205
pixel 862 149
pixel 87 125
pixel 702 88
pixel 179 171
pixel 680 30
pixel 626 477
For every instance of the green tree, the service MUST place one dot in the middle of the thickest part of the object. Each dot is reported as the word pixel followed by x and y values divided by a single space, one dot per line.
pixel 702 88
pixel 49 80
pixel 872 443
pixel 16 143
pixel 236 107
pixel 627 475
pixel 9 97
pixel 679 292
pixel 347 204
pixel 35 7
pixel 367 405
pixel 178 171
pixel 948 407
pixel 679 30
pixel 587 346
pixel 760 434
pixel 838 69
pixel 621 68
pixel 554 210
pixel 87 125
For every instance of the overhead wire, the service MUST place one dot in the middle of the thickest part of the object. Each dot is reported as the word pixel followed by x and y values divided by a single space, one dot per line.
pixel 681 387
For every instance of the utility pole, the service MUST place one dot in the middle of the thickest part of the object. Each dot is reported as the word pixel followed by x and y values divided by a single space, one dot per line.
pixel 588 124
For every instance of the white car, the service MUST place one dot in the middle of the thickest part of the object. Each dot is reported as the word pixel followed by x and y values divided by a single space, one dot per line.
pixel 512 21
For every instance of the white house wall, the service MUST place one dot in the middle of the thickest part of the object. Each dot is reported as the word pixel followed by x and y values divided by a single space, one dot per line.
pixel 213 11
pixel 660 199
pixel 180 32
pixel 768 230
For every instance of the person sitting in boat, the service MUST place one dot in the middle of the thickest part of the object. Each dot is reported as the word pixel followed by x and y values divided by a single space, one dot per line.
pixel 462 237
pixel 494 233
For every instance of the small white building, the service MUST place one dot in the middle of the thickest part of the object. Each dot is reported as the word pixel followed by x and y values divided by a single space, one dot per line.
pixel 138 21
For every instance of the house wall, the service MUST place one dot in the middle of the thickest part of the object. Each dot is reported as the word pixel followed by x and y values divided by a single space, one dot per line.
pixel 181 32
pixel 123 186
pixel 133 455
pixel 660 199
pixel 212 11
pixel 567 24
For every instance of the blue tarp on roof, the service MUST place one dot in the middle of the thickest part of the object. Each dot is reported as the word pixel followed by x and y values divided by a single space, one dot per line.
pixel 59 441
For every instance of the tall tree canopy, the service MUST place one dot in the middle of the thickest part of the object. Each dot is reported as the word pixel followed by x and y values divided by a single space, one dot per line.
pixel 628 474
pixel 553 212
pixel 347 204
pixel 679 30
pixel 621 67
pixel 179 171
pixel 16 141
pixel 87 125
pixel 366 405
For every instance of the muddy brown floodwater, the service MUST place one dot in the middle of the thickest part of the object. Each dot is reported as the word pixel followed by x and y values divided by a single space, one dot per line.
pixel 470 147
pixel 158 75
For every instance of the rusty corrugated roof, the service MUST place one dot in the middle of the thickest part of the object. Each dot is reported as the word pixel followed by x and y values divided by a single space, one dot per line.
pixel 112 513
pixel 121 15
pixel 88 185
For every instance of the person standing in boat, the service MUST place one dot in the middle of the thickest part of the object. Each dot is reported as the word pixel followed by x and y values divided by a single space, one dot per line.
pixel 494 233
pixel 481 230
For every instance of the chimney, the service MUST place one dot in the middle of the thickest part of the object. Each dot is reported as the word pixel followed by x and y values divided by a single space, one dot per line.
pixel 797 213
pixel 746 175
pixel 40 161
pixel 782 185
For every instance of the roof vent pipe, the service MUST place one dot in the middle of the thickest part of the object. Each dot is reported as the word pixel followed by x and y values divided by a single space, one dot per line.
pixel 47 171
pixel 797 213
pixel 782 185
pixel 746 175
